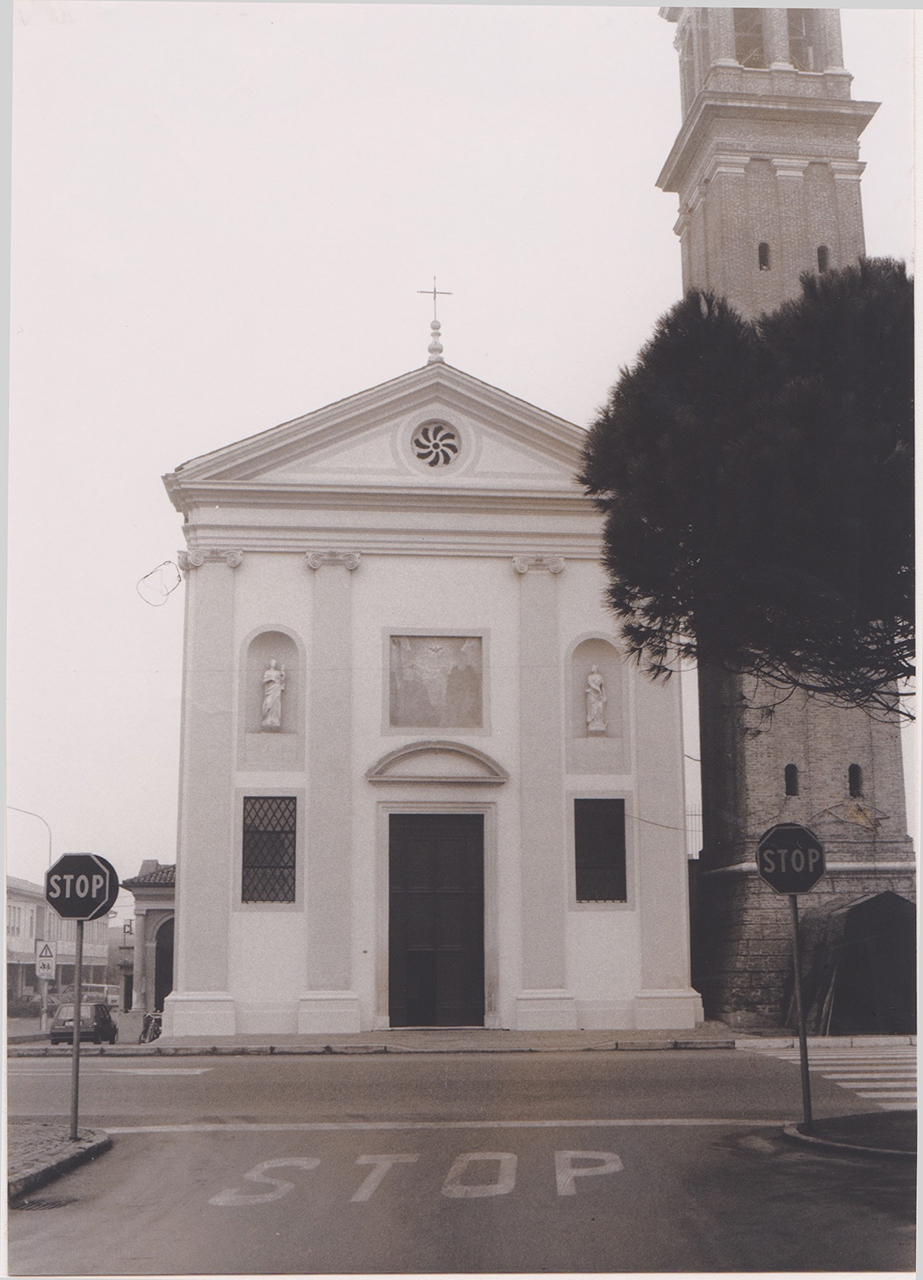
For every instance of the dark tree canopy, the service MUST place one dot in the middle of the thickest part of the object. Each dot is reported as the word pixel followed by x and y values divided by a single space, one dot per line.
pixel 757 480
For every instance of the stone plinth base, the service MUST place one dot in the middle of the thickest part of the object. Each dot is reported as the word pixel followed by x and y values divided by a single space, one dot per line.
pixel 678 1010
pixel 199 1013
pixel 270 1019
pixel 545 1011
pixel 605 1015
pixel 328 1011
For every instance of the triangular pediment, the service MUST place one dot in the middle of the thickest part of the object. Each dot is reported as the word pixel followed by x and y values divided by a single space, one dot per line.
pixel 435 427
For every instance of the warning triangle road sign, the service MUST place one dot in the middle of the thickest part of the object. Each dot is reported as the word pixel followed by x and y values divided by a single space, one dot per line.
pixel 46 952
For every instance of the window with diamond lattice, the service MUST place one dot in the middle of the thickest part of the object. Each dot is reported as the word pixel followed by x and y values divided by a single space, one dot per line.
pixel 269 849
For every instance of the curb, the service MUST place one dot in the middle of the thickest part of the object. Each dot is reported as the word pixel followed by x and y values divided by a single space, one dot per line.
pixel 793 1132
pixel 822 1042
pixel 88 1147
pixel 346 1050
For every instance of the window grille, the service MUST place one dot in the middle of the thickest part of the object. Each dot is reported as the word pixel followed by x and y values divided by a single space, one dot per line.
pixel 599 847
pixel 269 849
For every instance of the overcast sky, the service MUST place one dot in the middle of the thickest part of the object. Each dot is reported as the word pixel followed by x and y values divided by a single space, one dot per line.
pixel 221 217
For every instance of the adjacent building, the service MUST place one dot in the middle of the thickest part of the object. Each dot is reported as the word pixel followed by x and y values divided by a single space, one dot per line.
pixel 29 921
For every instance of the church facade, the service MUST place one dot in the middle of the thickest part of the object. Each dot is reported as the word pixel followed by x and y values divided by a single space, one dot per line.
pixel 419 785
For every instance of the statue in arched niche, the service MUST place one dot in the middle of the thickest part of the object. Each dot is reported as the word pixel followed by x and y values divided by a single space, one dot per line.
pixel 595 702
pixel 273 688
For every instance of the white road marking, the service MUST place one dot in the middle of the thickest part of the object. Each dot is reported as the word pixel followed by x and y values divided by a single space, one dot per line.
pixel 502 1185
pixel 886 1076
pixel 565 1171
pixel 233 1199
pixel 373 1181
pixel 154 1071
pixel 379 1125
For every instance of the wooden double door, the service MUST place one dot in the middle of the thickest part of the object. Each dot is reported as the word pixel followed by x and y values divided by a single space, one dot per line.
pixel 436 920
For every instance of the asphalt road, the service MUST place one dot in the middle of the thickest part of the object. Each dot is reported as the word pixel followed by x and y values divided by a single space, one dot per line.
pixel 581 1162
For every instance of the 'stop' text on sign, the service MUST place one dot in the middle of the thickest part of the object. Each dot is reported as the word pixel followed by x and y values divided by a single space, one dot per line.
pixel 81 886
pixel 790 858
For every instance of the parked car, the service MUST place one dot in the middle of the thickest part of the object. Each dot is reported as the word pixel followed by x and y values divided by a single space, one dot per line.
pixel 96 1024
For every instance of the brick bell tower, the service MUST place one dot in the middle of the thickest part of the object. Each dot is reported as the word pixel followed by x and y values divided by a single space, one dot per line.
pixel 766 166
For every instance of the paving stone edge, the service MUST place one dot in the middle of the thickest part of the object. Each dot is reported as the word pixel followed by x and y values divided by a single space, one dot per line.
pixel 92 1144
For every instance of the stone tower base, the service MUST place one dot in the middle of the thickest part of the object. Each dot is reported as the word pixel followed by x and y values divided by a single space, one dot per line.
pixel 742 948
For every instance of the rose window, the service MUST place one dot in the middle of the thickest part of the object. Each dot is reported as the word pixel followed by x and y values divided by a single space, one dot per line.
pixel 436 444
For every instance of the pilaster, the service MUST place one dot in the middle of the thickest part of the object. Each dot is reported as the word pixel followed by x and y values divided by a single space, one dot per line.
pixel 775 36
pixel 666 999
pixel 543 1001
pixel 200 1003
pixel 795 254
pixel 328 1004
pixel 721 35
pixel 847 175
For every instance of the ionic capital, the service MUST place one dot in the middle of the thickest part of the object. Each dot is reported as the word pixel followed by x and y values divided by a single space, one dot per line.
pixel 547 564
pixel 317 559
pixel 195 559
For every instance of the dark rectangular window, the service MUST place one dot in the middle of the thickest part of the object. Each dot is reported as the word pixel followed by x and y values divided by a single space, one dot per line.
pixel 269 849
pixel 599 843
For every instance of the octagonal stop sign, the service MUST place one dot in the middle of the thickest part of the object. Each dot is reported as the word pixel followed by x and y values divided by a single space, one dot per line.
pixel 81 886
pixel 790 858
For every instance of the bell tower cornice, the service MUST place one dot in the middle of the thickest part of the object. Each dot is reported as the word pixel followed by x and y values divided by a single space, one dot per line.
pixel 710 126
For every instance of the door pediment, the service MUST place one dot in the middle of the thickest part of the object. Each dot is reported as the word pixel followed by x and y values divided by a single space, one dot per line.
pixel 438 761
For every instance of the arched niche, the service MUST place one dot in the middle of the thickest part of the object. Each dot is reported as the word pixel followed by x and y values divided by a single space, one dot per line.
pixel 273 747
pixel 601 654
pixel 599 745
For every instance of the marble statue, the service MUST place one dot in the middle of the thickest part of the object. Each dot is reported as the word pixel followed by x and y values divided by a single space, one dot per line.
pixel 273 687
pixel 595 702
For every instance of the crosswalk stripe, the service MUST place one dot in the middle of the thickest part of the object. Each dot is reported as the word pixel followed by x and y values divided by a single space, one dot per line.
pixel 886 1077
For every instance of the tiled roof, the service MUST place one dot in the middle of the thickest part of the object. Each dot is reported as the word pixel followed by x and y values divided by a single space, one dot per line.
pixel 161 876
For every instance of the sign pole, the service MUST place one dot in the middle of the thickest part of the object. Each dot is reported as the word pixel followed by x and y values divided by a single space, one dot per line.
pixel 75 1062
pixel 802 1027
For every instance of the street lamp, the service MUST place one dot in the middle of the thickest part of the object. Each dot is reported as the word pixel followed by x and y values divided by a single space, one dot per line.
pixel 43 1019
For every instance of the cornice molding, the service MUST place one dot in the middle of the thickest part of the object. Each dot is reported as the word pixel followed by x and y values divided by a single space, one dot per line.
pixel 685 161
pixel 378 497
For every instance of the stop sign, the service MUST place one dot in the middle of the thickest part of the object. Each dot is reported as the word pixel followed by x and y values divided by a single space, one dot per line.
pixel 81 886
pixel 790 858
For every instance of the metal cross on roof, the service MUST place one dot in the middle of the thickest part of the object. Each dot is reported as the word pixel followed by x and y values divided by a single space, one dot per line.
pixel 443 293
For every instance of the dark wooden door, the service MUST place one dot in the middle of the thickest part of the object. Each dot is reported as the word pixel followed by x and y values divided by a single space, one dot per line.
pixel 436 920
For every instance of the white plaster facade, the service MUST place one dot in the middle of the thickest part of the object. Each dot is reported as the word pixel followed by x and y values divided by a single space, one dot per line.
pixel 316 543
